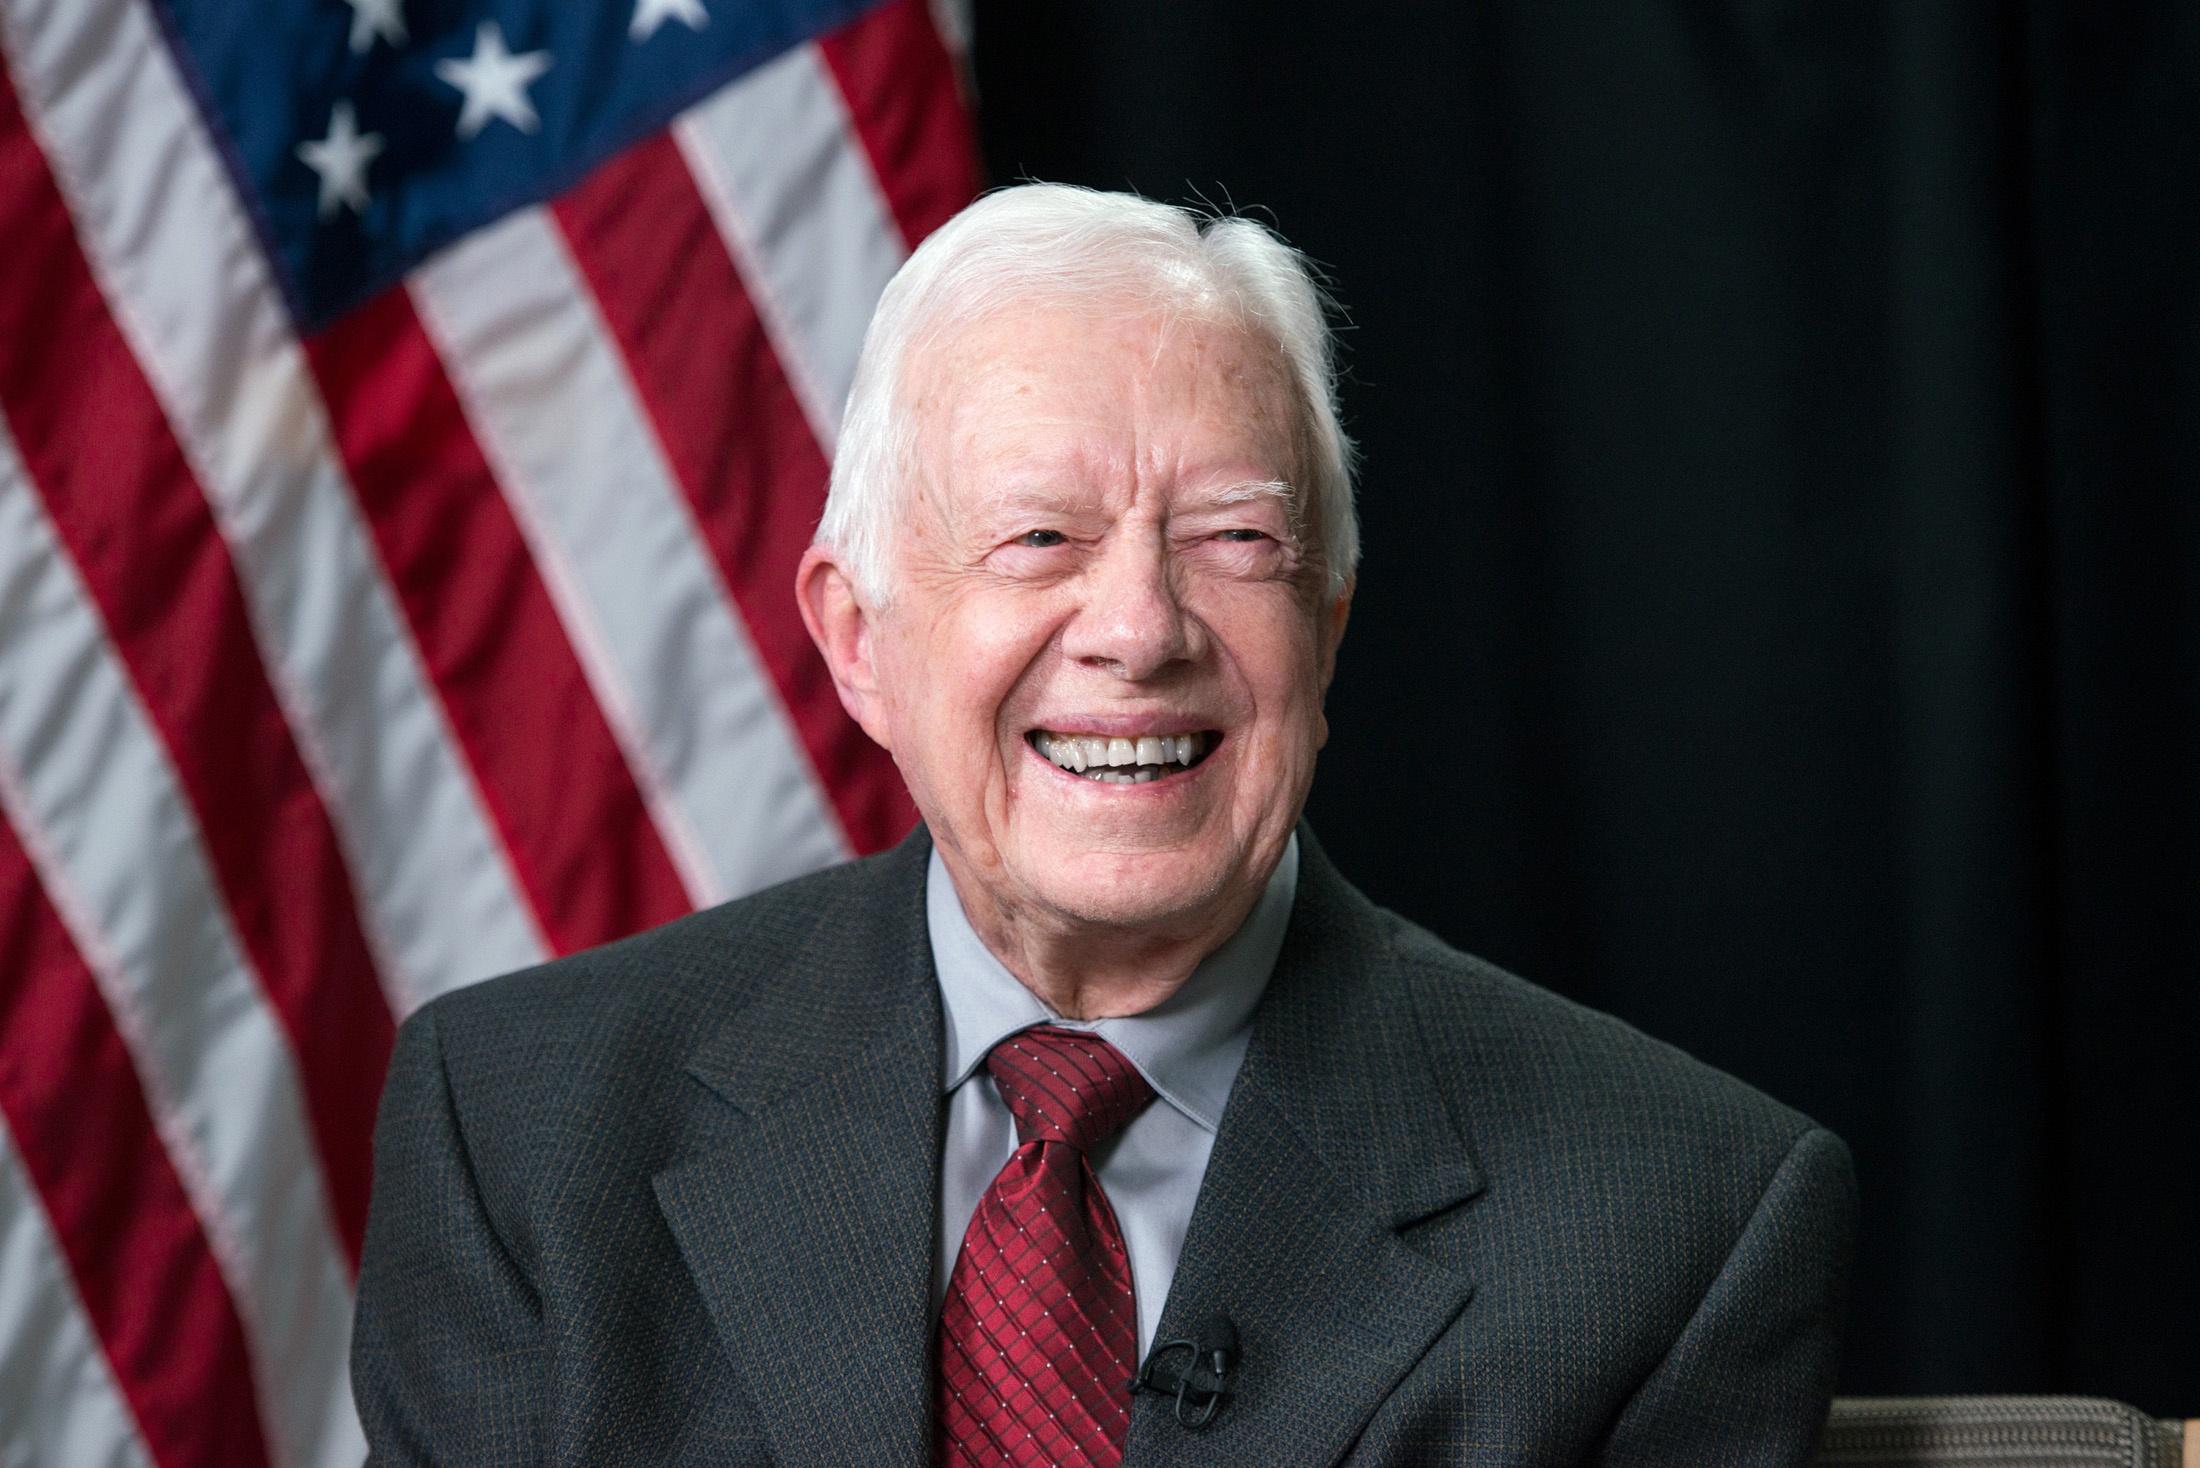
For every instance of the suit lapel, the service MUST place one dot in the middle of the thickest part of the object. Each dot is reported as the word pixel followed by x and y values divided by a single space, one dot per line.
pixel 1336 1137
pixel 805 1204
pixel 805 1200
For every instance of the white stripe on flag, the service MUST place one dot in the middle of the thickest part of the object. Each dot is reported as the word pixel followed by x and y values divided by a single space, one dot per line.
pixel 558 419
pixel 952 19
pixel 183 275
pixel 63 1406
pixel 793 195
pixel 86 783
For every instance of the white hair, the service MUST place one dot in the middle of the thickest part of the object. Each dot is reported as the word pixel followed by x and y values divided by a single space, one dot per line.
pixel 1053 242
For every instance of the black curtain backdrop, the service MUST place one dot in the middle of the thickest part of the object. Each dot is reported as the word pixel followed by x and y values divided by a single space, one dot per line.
pixel 1780 621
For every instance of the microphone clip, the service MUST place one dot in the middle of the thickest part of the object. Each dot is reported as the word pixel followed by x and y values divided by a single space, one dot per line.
pixel 1201 1379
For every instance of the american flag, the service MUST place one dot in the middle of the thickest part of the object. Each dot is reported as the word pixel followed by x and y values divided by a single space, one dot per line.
pixel 411 413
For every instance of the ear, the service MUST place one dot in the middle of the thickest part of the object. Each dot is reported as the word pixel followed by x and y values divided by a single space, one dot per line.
pixel 843 629
pixel 1334 615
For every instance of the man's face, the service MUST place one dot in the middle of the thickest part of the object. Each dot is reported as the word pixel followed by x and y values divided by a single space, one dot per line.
pixel 1101 567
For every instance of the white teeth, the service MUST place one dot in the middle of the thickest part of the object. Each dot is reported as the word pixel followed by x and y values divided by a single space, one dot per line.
pixel 1119 761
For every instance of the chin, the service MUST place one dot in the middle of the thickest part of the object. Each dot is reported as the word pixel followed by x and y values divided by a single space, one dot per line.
pixel 1154 889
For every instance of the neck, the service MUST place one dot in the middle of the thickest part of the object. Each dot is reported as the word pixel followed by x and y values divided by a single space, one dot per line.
pixel 1096 970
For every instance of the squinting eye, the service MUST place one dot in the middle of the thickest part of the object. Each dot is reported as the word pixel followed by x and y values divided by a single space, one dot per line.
pixel 1041 539
pixel 1241 537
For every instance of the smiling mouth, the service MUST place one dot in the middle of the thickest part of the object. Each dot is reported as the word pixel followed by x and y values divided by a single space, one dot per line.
pixel 1120 761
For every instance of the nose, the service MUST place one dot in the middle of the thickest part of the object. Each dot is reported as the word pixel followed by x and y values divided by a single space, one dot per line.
pixel 1131 619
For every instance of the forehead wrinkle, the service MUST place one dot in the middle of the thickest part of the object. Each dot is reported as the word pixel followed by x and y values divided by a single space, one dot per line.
pixel 1049 492
pixel 1008 438
pixel 978 462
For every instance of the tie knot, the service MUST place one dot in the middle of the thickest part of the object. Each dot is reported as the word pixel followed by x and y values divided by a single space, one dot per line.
pixel 1066 1086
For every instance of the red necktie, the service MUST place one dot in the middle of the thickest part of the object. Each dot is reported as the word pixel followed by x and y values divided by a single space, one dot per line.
pixel 1039 1336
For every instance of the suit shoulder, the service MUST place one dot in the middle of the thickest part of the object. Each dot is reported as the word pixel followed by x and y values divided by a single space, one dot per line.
pixel 548 1037
pixel 706 960
pixel 1568 1077
pixel 1617 1158
pixel 571 1069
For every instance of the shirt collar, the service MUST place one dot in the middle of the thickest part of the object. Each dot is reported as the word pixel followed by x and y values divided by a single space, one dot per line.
pixel 1188 1047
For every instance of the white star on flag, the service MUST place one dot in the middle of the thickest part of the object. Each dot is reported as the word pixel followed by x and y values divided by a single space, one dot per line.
pixel 650 14
pixel 376 19
pixel 495 82
pixel 341 160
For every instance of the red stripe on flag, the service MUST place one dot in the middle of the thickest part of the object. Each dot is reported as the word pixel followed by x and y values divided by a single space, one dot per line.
pixel 140 1260
pixel 551 771
pixel 133 517
pixel 901 90
pixel 735 436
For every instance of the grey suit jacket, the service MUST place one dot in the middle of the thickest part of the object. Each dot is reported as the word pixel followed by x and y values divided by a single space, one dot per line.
pixel 671 1202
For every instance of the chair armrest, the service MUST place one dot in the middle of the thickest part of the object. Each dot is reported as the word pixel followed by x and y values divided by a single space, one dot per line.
pixel 2002 1432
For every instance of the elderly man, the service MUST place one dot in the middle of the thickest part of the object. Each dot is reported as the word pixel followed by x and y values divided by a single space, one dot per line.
pixel 923 1157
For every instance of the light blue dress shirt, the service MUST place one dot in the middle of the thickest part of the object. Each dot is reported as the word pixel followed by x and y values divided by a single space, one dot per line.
pixel 1188 1048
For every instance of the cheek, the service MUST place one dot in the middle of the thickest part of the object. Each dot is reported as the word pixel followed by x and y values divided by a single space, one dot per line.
pixel 960 672
pixel 1279 661
pixel 996 644
pixel 1281 669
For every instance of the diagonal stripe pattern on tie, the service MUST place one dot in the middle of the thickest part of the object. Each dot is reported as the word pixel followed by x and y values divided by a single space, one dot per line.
pixel 1039 1334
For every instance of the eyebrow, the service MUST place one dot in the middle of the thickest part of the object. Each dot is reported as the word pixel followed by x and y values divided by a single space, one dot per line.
pixel 1024 497
pixel 1251 490
pixel 1022 494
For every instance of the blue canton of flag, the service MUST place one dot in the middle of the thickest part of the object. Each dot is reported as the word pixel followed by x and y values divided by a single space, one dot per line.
pixel 375 131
